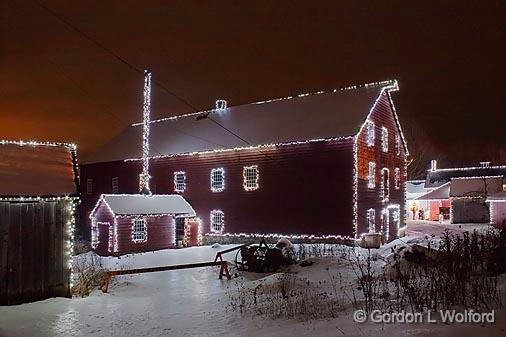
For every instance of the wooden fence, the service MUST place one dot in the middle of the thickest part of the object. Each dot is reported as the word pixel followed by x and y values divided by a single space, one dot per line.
pixel 33 252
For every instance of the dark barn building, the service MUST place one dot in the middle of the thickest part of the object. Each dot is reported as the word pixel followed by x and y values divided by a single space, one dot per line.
pixel 38 196
pixel 325 165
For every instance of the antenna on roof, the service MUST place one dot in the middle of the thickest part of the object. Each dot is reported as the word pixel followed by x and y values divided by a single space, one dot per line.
pixel 144 178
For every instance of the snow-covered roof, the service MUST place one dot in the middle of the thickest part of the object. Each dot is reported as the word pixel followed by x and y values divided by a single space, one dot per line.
pixel 441 176
pixel 37 169
pixel 498 196
pixel 321 115
pixel 415 189
pixel 440 193
pixel 475 186
pixel 141 204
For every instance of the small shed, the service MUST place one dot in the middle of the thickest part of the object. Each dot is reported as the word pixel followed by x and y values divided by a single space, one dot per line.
pixel 469 195
pixel 38 196
pixel 497 204
pixel 133 223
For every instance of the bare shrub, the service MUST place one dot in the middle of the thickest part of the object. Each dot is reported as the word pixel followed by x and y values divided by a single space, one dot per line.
pixel 88 272
pixel 461 272
pixel 305 251
pixel 286 297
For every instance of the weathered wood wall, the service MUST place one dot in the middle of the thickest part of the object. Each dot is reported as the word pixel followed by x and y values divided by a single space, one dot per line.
pixel 33 256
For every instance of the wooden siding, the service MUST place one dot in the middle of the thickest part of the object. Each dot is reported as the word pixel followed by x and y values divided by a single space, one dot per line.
pixel 104 219
pixel 498 214
pixel 382 116
pixel 33 261
pixel 160 233
pixel 304 188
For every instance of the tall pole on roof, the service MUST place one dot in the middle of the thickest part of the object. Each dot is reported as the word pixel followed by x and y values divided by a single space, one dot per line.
pixel 144 181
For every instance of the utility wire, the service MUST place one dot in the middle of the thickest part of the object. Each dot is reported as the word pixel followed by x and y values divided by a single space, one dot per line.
pixel 111 52
pixel 136 69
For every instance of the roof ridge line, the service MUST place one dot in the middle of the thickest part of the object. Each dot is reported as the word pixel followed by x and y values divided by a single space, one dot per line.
pixel 36 143
pixel 388 84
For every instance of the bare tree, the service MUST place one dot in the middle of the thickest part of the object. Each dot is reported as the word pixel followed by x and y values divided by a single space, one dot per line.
pixel 421 149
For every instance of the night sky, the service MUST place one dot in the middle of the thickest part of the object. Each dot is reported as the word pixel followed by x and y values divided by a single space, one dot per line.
pixel 60 84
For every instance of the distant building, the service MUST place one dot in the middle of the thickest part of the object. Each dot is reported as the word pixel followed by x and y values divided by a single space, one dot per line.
pixel 497 204
pixel 325 166
pixel 38 196
pixel 461 194
pixel 416 209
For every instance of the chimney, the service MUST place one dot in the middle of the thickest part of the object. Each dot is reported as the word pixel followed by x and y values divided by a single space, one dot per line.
pixel 221 104
pixel 433 165
pixel 484 163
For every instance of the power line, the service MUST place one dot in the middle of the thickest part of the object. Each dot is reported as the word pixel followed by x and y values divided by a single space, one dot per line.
pixel 136 69
pixel 111 52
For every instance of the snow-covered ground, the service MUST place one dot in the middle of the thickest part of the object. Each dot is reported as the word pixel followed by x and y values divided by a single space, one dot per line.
pixel 193 302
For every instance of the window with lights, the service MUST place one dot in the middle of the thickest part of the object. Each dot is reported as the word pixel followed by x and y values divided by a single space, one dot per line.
pixel 371 220
pixel 397 178
pixel 384 139
pixel 371 176
pixel 250 177
pixel 385 184
pixel 94 235
pixel 217 221
pixel 397 144
pixel 370 133
pixel 110 244
pixel 217 179
pixel 115 185
pixel 139 230
pixel 179 181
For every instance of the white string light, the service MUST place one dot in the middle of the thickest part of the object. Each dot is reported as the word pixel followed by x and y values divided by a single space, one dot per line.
pixel 390 85
pixel 145 132
pixel 218 179
pixel 179 181
pixel 217 218
pixel 250 178
pixel 278 236
pixel 242 148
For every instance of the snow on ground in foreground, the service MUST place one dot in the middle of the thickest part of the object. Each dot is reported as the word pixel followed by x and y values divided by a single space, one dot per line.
pixel 193 302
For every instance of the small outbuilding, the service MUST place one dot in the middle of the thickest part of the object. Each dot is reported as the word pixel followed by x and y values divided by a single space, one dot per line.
pixel 38 196
pixel 497 204
pixel 438 202
pixel 133 223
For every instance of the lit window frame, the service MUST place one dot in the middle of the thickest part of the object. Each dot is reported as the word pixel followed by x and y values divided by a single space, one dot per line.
pixel 397 145
pixel 371 175
pixel 370 133
pixel 384 139
pixel 215 187
pixel 371 220
pixel 250 177
pixel 139 235
pixel 179 186
pixel 385 196
pixel 397 178
pixel 220 221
